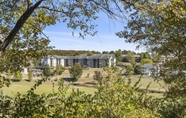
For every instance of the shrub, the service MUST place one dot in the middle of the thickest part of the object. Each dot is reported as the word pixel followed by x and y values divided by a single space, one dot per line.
pixel 97 75
pixel 113 99
pixel 138 70
pixel 46 71
pixel 17 76
pixel 76 71
pixel 129 70
pixel 30 76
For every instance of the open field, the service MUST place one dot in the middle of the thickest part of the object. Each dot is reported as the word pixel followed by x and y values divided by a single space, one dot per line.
pixel 47 87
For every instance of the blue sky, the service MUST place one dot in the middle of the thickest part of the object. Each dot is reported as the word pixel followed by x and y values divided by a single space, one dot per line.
pixel 105 40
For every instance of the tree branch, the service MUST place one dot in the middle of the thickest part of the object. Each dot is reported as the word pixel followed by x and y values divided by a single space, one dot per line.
pixel 18 25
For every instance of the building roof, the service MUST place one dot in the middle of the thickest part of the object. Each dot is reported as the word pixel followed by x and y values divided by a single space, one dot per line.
pixel 147 66
pixel 95 56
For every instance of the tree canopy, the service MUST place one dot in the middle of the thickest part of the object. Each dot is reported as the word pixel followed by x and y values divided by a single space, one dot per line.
pixel 160 26
pixel 22 23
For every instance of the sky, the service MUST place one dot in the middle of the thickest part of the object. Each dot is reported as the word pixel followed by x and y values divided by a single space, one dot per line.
pixel 105 40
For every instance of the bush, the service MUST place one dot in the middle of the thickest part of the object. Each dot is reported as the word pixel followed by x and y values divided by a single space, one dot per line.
pixel 46 71
pixel 30 76
pixel 76 71
pixel 138 70
pixel 129 70
pixel 113 99
pixel 17 76
pixel 97 75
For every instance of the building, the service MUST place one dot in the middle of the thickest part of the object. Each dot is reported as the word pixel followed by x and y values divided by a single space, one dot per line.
pixel 94 61
pixel 151 69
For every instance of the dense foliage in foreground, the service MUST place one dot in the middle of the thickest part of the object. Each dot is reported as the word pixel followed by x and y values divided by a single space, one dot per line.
pixel 113 98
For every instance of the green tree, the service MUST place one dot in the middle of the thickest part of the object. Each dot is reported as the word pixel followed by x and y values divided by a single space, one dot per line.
pixel 9 74
pixel 138 69
pixel 17 76
pixel 160 27
pixel 129 70
pixel 76 71
pixel 130 58
pixel 89 53
pixel 111 52
pixel 146 61
pixel 22 23
pixel 59 70
pixel 118 55
pixel 46 71
pixel 144 55
pixel 30 76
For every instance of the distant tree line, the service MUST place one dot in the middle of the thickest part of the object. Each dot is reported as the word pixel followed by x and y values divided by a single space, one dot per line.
pixel 71 52
pixel 124 52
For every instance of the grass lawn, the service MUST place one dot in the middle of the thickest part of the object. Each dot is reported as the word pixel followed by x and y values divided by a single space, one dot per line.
pixel 145 80
pixel 47 87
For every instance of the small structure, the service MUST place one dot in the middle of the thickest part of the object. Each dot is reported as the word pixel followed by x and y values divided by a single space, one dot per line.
pixel 94 61
pixel 148 69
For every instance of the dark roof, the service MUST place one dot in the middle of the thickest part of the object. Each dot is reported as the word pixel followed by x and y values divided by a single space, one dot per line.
pixel 95 56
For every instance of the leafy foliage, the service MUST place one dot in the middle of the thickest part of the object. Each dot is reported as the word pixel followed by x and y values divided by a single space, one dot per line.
pixel 22 24
pixel 30 76
pixel 130 58
pixel 113 99
pixel 76 71
pixel 98 75
pixel 17 76
pixel 118 55
pixel 138 69
pixel 129 70
pixel 59 70
pixel 46 71
pixel 160 26
pixel 146 61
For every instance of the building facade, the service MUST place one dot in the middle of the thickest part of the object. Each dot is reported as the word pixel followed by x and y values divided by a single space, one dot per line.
pixel 94 61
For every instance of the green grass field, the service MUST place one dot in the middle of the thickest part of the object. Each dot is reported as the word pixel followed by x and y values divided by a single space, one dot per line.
pixel 47 87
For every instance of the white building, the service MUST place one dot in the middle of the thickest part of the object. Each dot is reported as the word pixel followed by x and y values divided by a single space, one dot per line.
pixel 94 61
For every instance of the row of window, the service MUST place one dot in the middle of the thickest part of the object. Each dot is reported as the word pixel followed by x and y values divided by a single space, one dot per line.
pixel 66 62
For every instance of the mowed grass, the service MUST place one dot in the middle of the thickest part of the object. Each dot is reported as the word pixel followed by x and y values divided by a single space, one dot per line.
pixel 46 87
pixel 153 85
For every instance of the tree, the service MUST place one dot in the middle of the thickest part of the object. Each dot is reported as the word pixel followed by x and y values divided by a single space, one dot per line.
pixel 59 70
pixel 76 71
pixel 46 71
pixel 17 76
pixel 89 53
pixel 22 23
pixel 9 74
pixel 138 69
pixel 144 55
pixel 129 70
pixel 105 52
pixel 146 61
pixel 130 58
pixel 118 55
pixel 111 52
pixel 30 76
pixel 160 26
